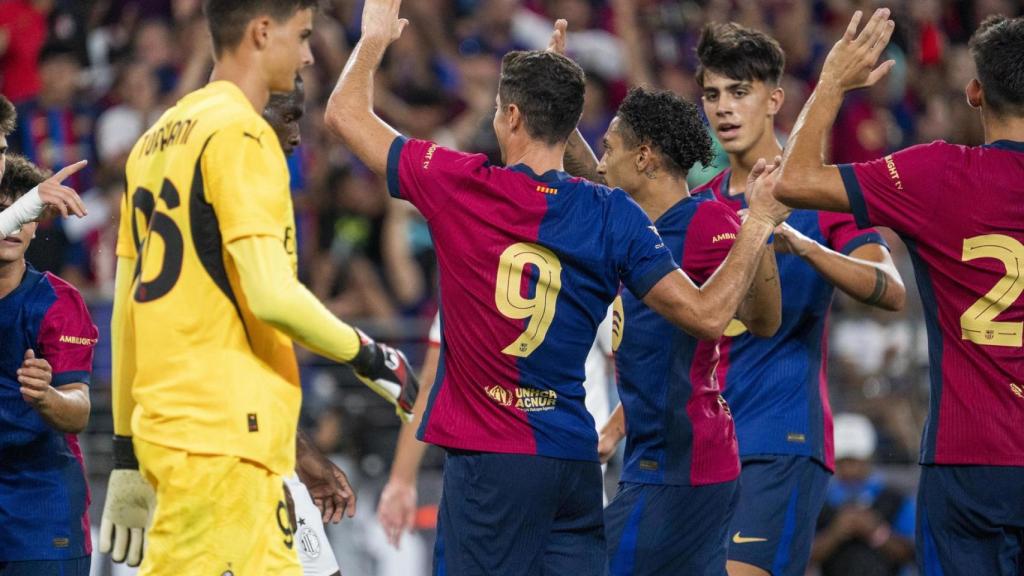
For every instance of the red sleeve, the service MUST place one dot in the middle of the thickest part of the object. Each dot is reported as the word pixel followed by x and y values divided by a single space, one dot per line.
pixel 67 336
pixel 901 190
pixel 842 234
pixel 427 175
pixel 709 237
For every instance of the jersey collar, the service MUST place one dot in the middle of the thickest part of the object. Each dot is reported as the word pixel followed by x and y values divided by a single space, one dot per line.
pixel 1007 145
pixel 549 177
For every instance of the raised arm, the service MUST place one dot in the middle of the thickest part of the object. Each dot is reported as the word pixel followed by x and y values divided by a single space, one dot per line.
pixel 867 274
pixel 349 112
pixel 706 311
pixel 805 181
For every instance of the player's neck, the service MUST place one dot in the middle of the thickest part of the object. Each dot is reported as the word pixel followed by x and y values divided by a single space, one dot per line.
pixel 1003 128
pixel 11 274
pixel 743 162
pixel 660 193
pixel 538 156
pixel 246 76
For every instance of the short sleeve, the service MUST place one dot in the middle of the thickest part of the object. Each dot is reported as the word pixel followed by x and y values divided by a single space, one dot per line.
pixel 642 259
pixel 67 337
pixel 245 179
pixel 842 234
pixel 427 175
pixel 125 236
pixel 901 190
pixel 710 236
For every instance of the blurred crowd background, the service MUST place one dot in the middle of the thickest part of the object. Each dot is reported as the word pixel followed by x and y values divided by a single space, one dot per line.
pixel 89 76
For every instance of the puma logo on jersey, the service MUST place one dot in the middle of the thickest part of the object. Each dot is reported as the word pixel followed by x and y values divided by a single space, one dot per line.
pixel 257 138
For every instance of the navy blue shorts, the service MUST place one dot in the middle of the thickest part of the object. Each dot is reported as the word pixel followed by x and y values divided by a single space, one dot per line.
pixel 780 499
pixel 73 567
pixel 970 520
pixel 513 514
pixel 656 530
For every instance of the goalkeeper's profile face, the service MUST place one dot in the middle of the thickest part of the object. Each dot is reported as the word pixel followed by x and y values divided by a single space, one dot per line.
pixel 288 49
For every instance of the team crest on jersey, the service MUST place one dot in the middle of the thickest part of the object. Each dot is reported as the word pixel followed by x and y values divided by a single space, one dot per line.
pixel 310 542
pixel 499 395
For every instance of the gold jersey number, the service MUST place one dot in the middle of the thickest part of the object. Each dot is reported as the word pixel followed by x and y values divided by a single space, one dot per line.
pixel 540 308
pixel 978 323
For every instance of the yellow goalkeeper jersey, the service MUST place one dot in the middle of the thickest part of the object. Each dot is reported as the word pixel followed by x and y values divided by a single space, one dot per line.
pixel 209 377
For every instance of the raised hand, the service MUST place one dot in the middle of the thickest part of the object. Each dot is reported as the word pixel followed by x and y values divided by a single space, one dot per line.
pixel 63 198
pixel 381 21
pixel 557 42
pixel 851 62
pixel 760 193
pixel 789 240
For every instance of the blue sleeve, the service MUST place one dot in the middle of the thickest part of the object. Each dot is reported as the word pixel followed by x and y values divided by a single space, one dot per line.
pixel 642 257
pixel 394 155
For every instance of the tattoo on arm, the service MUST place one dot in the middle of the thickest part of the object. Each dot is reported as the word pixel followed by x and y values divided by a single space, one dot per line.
pixel 881 284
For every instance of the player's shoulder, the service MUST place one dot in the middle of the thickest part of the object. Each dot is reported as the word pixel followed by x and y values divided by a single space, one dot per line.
pixel 427 153
pixel 707 208
pixel 64 292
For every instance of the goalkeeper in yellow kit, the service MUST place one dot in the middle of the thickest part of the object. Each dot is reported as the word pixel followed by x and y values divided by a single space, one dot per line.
pixel 207 305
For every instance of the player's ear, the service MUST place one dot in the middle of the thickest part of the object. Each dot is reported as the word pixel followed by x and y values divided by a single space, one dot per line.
pixel 259 31
pixel 645 159
pixel 975 93
pixel 513 117
pixel 775 99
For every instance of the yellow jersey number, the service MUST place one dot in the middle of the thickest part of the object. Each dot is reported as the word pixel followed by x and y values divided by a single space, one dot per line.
pixel 540 309
pixel 161 225
pixel 978 323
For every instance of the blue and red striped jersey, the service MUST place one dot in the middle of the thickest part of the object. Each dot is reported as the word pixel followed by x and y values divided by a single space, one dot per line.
pixel 678 427
pixel 44 497
pixel 777 387
pixel 960 211
pixel 528 266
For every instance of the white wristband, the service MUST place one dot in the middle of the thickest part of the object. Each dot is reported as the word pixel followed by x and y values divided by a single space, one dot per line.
pixel 24 210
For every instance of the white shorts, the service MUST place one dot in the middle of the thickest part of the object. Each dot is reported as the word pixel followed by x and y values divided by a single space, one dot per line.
pixel 314 550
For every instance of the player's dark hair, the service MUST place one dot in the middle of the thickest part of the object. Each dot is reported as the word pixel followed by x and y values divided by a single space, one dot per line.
pixel 997 47
pixel 671 125
pixel 227 19
pixel 548 90
pixel 739 53
pixel 8 116
pixel 20 176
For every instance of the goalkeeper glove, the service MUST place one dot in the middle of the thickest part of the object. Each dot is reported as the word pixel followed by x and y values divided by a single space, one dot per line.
pixel 387 372
pixel 127 510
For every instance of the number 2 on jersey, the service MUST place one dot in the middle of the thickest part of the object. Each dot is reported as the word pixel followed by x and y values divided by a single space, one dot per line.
pixel 978 323
pixel 540 308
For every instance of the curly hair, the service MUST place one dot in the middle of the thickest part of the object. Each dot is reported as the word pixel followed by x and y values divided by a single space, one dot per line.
pixel 667 123
pixel 996 47
pixel 739 53
pixel 8 116
pixel 20 176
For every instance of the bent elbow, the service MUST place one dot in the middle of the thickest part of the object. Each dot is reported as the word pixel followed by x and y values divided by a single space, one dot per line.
pixel 897 298
pixel 335 114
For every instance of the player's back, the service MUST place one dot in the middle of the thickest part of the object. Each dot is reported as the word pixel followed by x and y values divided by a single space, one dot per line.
pixel 960 211
pixel 209 376
pixel 529 264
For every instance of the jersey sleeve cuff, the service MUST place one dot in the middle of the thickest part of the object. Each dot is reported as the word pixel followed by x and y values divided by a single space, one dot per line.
pixel 64 378
pixel 394 157
pixel 867 238
pixel 855 195
pixel 645 279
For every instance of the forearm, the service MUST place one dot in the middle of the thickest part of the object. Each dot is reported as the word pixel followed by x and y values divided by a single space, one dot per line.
pixel 349 112
pixel 409 452
pixel 720 297
pixel 276 297
pixel 66 408
pixel 761 310
pixel 805 181
pixel 580 160
pixel 122 349
pixel 614 429
pixel 24 210
pixel 873 283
